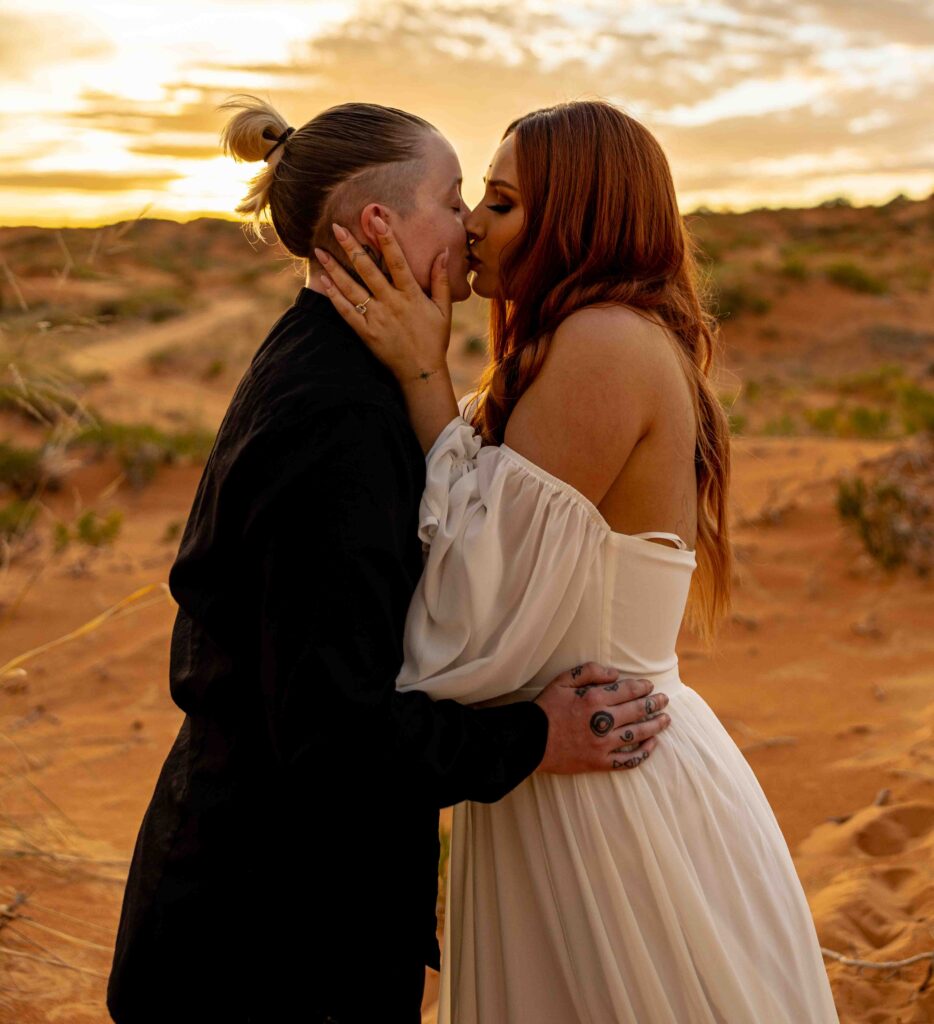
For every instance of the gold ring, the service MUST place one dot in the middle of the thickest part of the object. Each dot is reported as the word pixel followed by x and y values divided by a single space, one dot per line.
pixel 361 306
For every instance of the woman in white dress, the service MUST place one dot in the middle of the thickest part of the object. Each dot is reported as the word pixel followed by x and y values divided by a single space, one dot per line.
pixel 554 493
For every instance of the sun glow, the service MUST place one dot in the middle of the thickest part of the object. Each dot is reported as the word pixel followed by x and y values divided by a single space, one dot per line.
pixel 116 109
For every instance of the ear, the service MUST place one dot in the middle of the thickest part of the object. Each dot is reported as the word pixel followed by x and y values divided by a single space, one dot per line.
pixel 367 231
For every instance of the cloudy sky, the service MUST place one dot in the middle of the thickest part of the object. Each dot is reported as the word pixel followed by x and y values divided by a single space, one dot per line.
pixel 108 106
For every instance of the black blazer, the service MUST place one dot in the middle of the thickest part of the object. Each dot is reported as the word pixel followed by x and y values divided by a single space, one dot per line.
pixel 290 847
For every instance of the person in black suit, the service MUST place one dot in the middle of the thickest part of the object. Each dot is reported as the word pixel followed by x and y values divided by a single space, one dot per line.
pixel 286 866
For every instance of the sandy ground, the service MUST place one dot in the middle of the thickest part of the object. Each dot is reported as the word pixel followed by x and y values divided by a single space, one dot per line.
pixel 823 676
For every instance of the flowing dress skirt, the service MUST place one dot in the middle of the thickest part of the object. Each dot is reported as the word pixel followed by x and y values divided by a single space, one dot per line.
pixel 660 895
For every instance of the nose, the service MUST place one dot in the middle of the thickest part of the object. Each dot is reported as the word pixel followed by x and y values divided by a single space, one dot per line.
pixel 473 224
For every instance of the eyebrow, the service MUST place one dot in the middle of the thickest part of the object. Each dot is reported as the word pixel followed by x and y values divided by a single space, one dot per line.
pixel 500 183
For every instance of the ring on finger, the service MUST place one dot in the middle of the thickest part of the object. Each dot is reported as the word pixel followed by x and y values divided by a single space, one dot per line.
pixel 361 306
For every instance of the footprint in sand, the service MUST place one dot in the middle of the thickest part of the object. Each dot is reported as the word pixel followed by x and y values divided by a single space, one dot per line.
pixel 875 831
pixel 892 829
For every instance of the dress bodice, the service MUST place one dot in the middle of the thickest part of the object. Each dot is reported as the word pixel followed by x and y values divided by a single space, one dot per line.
pixel 523 579
pixel 632 605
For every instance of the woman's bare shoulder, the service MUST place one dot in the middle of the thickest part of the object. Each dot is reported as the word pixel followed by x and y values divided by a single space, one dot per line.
pixel 615 340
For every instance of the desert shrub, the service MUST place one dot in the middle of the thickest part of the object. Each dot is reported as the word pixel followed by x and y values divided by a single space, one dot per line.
pixel 141 448
pixel 917 408
pixel 850 421
pixel 90 528
pixel 165 360
pixel 795 269
pixel 215 368
pixel 37 396
pixel 869 423
pixel 95 529
pixel 173 531
pixel 737 422
pixel 881 383
pixel 825 420
pixel 21 469
pixel 916 276
pixel 852 276
pixel 893 521
pixel 153 304
pixel 474 345
pixel 734 299
pixel 781 426
pixel 16 518
pixel 897 339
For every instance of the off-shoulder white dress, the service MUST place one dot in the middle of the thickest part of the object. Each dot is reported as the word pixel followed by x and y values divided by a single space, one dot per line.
pixel 660 895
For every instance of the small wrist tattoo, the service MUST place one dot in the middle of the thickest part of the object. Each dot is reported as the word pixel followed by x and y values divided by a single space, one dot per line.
pixel 424 375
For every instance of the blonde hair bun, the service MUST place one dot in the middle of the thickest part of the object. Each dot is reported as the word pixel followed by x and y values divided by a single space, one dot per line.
pixel 248 136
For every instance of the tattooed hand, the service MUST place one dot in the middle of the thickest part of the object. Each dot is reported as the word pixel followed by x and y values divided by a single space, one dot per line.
pixel 599 720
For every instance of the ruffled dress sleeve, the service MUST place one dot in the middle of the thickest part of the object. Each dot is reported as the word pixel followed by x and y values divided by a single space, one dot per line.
pixel 508 552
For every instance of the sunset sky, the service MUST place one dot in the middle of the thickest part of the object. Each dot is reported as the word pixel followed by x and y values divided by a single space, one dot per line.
pixel 108 106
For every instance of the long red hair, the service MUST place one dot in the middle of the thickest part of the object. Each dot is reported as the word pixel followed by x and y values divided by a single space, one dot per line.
pixel 602 226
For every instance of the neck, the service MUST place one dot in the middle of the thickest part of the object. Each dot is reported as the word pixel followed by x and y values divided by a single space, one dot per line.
pixel 313 279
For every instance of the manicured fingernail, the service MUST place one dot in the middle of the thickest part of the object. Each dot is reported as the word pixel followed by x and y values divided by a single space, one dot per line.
pixel 322 255
pixel 380 226
pixel 326 281
pixel 339 232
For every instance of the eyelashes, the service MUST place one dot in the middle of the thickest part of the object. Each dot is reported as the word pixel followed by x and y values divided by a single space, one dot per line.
pixel 500 208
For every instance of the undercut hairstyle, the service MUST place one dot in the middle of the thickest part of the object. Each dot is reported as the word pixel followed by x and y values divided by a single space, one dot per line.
pixel 326 171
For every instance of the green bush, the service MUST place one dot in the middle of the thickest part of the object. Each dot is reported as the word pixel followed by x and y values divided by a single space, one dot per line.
pixel 855 278
pixel 474 345
pixel 16 518
pixel 95 529
pixel 155 305
pixel 781 426
pixel 882 515
pixel 141 448
pixel 734 299
pixel 795 269
pixel 21 469
pixel 917 408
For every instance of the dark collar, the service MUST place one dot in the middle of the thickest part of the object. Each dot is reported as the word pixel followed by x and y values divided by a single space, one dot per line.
pixel 319 305
pixel 314 304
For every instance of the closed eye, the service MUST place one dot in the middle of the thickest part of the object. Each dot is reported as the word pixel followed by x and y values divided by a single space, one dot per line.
pixel 499 208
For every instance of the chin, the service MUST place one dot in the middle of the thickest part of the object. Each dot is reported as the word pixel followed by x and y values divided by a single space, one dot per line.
pixel 460 290
pixel 478 289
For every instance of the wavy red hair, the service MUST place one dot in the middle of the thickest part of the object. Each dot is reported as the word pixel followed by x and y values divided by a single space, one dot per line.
pixel 602 226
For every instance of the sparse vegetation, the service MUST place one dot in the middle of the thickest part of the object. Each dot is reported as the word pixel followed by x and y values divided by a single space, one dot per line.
pixel 739 297
pixel 898 340
pixel 16 518
pixel 153 304
pixel 141 448
pixel 795 269
pixel 21 469
pixel 891 508
pixel 855 278
pixel 173 531
pixel 474 345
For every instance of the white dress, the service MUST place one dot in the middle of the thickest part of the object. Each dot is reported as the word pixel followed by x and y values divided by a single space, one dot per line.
pixel 659 895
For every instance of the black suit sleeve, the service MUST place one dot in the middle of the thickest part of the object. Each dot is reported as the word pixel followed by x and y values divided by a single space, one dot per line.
pixel 334 533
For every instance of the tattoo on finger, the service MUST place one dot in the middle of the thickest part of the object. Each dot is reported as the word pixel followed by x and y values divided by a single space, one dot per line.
pixel 601 722
pixel 577 671
pixel 581 691
pixel 611 686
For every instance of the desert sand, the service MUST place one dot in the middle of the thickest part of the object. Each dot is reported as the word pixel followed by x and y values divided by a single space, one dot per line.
pixel 824 673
